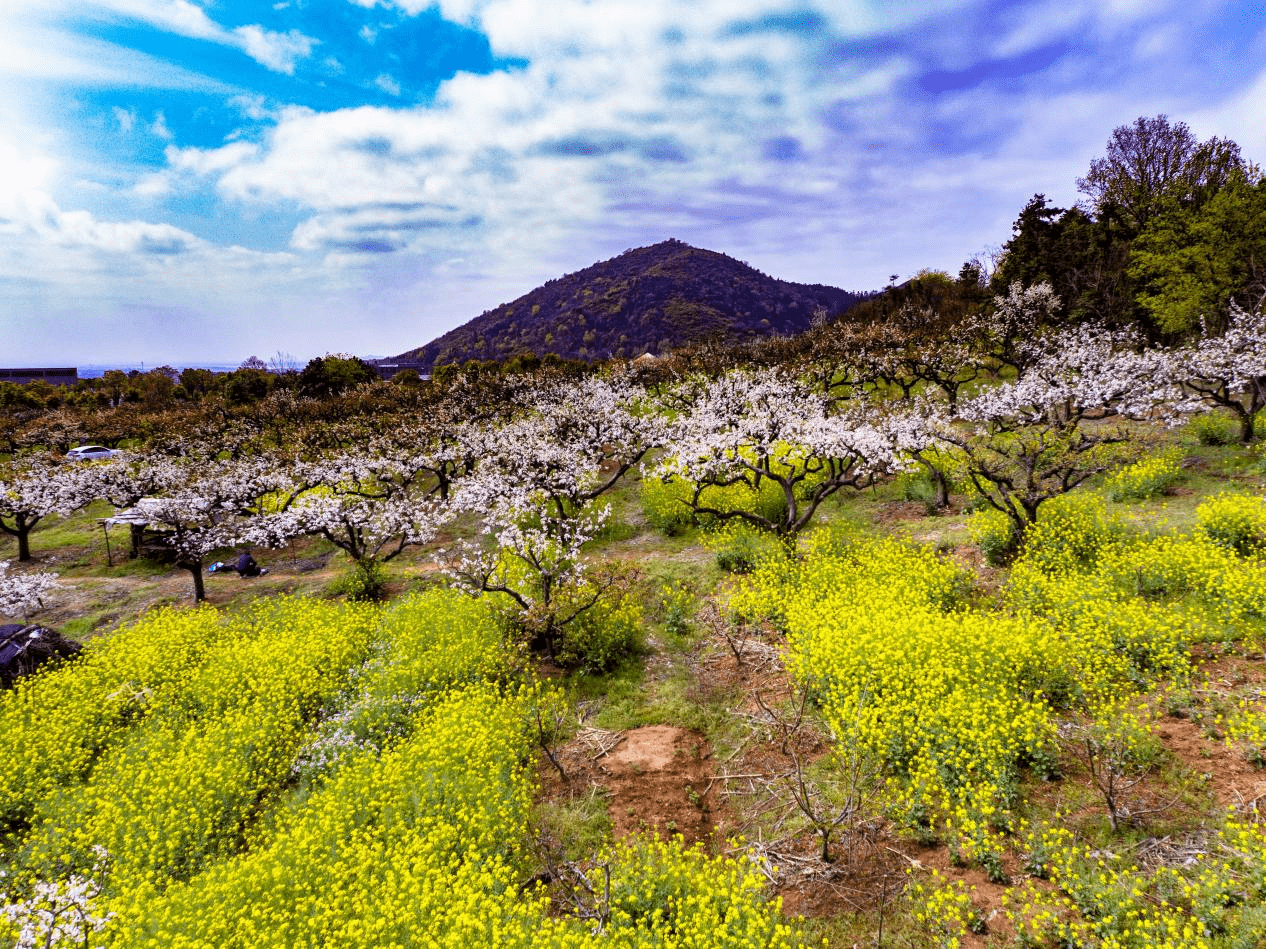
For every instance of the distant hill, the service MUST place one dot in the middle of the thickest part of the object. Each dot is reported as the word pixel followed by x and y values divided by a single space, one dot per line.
pixel 648 299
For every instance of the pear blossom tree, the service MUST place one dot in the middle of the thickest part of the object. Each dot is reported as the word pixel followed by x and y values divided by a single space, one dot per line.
pixel 125 481
pixel 372 526
pixel 58 913
pixel 33 487
pixel 23 593
pixel 195 521
pixel 364 505
pixel 1227 369
pixel 745 430
pixel 1007 333
pixel 206 511
pixel 197 509
pixel 431 453
pixel 1024 442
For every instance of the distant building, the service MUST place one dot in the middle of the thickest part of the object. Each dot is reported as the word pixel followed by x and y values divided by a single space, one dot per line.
pixel 386 368
pixel 56 377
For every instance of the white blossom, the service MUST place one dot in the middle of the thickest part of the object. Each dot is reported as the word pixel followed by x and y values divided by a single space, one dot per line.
pixel 23 593
pixel 743 428
pixel 59 914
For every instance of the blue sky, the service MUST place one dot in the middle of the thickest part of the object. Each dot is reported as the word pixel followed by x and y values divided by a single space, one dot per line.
pixel 201 180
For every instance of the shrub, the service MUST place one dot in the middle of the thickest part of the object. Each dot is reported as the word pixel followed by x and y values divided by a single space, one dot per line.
pixel 604 634
pixel 994 533
pixel 1236 521
pixel 679 610
pixel 1144 479
pixel 739 548
pixel 918 486
pixel 365 584
pixel 1070 533
pixel 1214 428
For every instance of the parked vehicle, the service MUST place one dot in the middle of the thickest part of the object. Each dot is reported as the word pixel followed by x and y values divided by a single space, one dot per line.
pixel 90 453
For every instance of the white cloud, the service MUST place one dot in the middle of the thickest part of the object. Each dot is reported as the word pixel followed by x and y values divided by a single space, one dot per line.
pixel 201 161
pixel 176 16
pixel 126 119
pixel 277 51
pixel 159 127
pixel 252 106
pixel 388 85
pixel 34 51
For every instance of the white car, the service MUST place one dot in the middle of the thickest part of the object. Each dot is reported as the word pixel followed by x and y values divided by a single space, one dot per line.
pixel 90 453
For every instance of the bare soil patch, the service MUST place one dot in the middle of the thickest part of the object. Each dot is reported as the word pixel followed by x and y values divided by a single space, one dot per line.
pixel 655 779
pixel 658 782
pixel 891 511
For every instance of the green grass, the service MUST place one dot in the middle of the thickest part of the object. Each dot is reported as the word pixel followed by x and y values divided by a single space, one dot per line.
pixel 582 825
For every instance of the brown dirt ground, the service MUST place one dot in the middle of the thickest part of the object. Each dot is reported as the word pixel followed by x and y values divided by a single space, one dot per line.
pixel 1232 780
pixel 655 780
pixel 658 782
pixel 889 512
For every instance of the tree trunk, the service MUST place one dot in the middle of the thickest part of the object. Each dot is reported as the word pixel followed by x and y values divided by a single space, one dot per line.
pixel 942 488
pixel 1246 426
pixel 24 544
pixel 199 588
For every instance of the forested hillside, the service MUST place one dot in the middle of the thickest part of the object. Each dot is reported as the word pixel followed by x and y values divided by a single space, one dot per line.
pixel 650 299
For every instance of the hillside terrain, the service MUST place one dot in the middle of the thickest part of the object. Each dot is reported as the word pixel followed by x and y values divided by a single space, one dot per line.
pixel 942 624
pixel 649 299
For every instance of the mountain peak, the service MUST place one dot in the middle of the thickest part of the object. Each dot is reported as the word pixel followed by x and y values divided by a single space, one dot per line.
pixel 646 299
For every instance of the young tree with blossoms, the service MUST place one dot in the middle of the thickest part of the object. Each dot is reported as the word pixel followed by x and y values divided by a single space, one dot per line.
pixel 1008 332
pixel 536 561
pixel 33 487
pixel 1227 369
pixel 536 485
pixel 745 430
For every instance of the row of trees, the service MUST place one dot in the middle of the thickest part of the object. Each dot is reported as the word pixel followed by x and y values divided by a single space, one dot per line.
pixel 164 387
pixel 1019 416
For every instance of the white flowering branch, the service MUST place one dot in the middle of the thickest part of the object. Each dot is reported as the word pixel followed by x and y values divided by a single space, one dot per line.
pixel 747 430
pixel 23 593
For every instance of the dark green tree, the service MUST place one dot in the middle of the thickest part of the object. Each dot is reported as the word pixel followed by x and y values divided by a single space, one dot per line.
pixel 328 375
pixel 1152 163
pixel 1084 260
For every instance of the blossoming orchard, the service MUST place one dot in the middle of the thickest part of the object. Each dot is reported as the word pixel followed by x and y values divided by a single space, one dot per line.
pixel 946 632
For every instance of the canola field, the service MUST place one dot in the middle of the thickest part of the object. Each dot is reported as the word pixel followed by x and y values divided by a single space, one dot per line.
pixel 308 774
pixel 963 705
